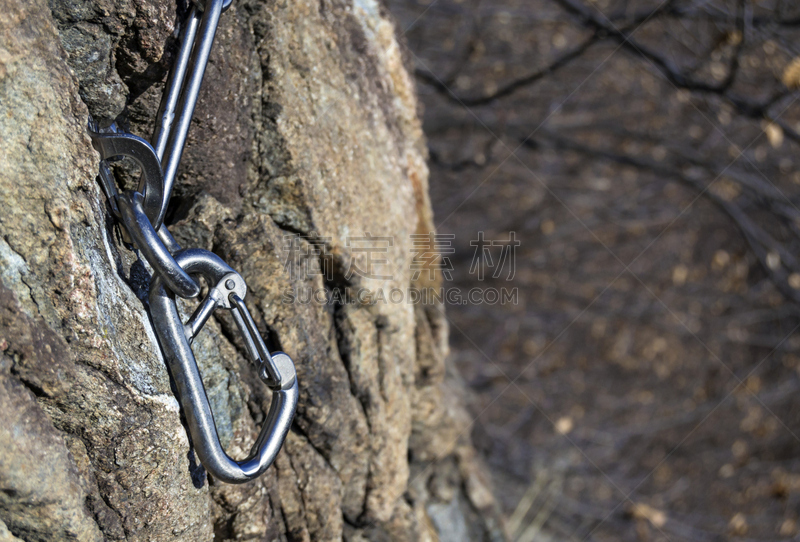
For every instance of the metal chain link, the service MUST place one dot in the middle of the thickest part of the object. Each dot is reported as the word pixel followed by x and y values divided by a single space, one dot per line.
pixel 142 213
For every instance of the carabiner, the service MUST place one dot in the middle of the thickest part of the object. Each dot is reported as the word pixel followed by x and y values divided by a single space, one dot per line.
pixel 142 213
pixel 277 370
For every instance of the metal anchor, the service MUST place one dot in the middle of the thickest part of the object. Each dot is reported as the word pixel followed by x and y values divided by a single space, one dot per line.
pixel 142 211
pixel 276 370
pixel 112 143
pixel 143 214
pixel 139 208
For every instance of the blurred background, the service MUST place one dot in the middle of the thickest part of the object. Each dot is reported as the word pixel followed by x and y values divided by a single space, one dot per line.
pixel 644 153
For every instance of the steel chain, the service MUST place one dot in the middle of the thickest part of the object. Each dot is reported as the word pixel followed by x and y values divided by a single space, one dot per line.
pixel 142 212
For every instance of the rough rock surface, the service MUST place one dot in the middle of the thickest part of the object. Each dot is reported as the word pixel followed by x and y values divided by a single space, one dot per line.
pixel 306 127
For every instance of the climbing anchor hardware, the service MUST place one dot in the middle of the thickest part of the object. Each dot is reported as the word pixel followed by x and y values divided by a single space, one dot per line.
pixel 142 212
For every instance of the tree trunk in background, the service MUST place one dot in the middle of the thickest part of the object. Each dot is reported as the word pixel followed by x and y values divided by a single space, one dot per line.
pixel 306 125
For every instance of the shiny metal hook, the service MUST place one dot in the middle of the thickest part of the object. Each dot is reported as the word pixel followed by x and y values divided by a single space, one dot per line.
pixel 277 370
pixel 142 213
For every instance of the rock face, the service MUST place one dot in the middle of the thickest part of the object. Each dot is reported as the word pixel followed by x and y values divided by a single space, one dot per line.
pixel 306 132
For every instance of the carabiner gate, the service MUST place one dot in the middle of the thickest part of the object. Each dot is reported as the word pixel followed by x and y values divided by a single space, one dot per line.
pixel 277 370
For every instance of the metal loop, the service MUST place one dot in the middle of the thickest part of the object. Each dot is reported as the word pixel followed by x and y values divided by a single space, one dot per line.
pixel 147 240
pixel 151 184
pixel 172 92
pixel 189 90
pixel 174 338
